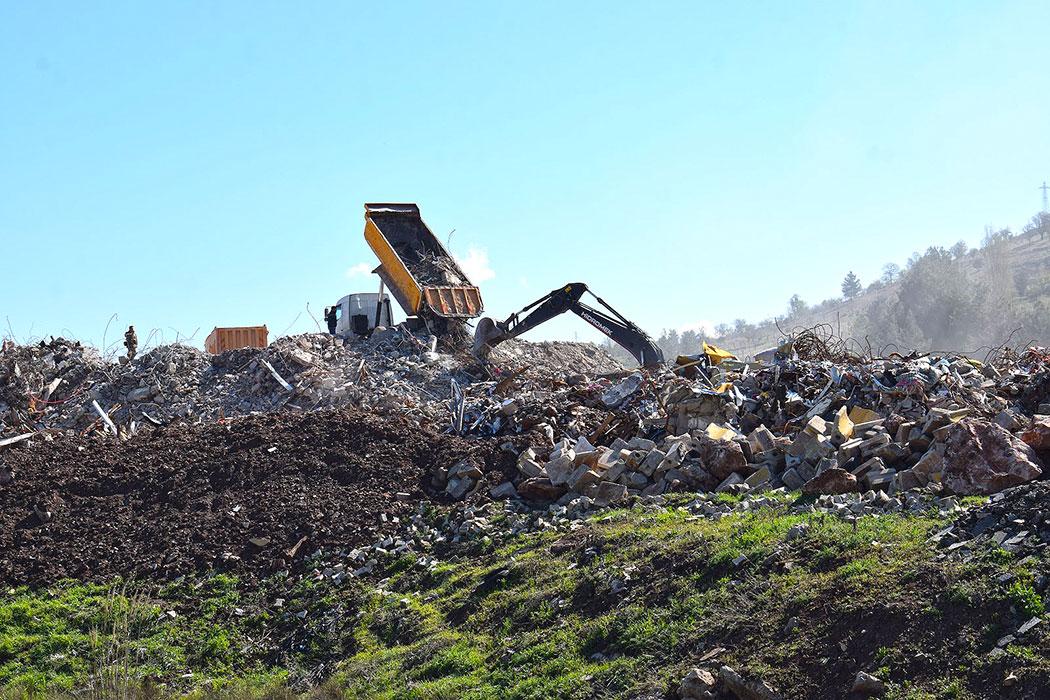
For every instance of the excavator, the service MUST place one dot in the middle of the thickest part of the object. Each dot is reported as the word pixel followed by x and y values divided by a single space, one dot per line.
pixel 490 333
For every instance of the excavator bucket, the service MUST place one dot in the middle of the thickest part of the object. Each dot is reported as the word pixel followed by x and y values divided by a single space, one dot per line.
pixel 487 335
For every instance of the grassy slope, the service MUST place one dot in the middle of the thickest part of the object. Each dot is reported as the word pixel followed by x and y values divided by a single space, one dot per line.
pixel 621 607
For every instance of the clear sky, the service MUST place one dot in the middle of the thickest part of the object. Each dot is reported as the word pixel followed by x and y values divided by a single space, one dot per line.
pixel 186 165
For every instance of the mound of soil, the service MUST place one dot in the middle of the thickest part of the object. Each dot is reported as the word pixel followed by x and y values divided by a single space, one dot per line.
pixel 251 496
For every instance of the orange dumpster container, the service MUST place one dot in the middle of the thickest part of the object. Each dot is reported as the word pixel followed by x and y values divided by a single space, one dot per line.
pixel 223 339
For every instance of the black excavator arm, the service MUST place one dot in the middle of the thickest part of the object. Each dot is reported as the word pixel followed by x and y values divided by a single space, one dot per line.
pixel 621 331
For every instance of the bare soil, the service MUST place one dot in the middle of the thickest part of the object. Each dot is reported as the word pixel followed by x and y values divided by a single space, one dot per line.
pixel 252 496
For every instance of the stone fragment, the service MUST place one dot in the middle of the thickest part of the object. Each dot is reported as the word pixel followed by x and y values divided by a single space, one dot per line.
pixel 983 458
pixel 139 394
pixel 867 684
pixel 458 488
pixel 721 457
pixel 607 492
pixel 792 480
pixel 1009 420
pixel 540 489
pixel 746 690
pixel 504 490
pixel 697 685
pixel 1038 437
pixel 832 481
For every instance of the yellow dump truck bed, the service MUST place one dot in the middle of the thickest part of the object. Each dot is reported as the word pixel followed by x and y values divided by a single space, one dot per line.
pixel 420 273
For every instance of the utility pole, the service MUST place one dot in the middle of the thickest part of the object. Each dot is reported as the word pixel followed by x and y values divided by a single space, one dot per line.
pixel 1044 188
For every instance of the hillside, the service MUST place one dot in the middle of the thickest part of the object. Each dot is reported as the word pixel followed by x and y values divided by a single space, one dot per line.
pixel 983 295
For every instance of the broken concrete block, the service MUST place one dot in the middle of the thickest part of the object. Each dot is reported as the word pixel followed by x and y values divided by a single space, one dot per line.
pixel 759 477
pixel 458 488
pixel 816 426
pixel 732 480
pixel 907 480
pixel 637 443
pixel 504 490
pixel 832 481
pixel 635 480
pixel 864 468
pixel 613 471
pixel 654 489
pixel 464 470
pixel 530 468
pixel 581 478
pixel 635 458
pixel 606 493
pixel 792 480
pixel 560 468
pixel 651 462
pixel 761 440
pixel 879 479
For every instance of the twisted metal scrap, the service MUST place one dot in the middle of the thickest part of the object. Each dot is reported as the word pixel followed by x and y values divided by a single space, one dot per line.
pixel 819 343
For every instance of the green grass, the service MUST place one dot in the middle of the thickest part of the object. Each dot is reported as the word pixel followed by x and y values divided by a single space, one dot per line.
pixel 620 607
pixel 538 615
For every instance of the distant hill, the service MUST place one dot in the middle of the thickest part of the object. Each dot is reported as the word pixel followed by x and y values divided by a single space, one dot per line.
pixel 944 299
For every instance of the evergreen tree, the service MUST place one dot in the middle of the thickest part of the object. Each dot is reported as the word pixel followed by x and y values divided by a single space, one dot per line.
pixel 851 285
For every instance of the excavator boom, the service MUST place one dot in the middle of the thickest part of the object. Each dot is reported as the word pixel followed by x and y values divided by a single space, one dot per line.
pixel 630 337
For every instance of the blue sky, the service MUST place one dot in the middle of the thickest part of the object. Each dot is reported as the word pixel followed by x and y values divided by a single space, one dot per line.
pixel 186 165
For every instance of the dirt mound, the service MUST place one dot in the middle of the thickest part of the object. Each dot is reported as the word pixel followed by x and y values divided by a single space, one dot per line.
pixel 251 496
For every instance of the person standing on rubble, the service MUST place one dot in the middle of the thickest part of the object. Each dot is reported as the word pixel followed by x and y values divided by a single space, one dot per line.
pixel 131 342
pixel 330 319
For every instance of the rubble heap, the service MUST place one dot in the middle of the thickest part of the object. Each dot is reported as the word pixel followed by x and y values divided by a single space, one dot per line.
pixel 63 385
pixel 825 427
pixel 1016 520
pixel 811 418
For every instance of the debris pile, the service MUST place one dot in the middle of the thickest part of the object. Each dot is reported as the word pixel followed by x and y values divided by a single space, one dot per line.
pixel 63 385
pixel 1016 520
pixel 884 425
pixel 812 418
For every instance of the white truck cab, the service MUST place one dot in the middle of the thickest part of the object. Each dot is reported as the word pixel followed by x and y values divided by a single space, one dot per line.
pixel 356 313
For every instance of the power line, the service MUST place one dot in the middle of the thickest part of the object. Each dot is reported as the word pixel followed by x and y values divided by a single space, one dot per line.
pixel 1044 188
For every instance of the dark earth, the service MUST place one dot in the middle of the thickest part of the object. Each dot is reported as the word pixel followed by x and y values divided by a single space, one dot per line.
pixel 191 499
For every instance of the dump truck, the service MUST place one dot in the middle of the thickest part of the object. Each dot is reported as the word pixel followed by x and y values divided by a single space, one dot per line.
pixel 417 269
